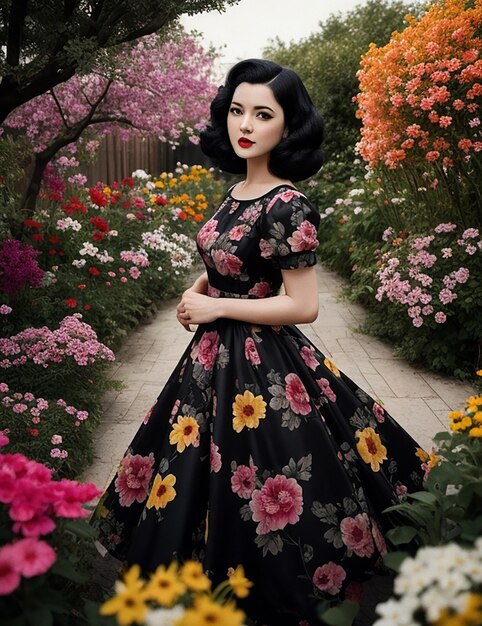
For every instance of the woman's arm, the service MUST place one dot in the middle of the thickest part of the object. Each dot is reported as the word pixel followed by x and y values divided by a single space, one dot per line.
pixel 200 285
pixel 298 305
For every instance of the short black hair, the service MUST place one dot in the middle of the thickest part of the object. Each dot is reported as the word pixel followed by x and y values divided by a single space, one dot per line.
pixel 296 157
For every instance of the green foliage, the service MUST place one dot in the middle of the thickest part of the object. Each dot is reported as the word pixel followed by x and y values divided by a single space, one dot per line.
pixel 329 59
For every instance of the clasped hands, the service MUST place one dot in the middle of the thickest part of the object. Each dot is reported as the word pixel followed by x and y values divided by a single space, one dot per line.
pixel 196 308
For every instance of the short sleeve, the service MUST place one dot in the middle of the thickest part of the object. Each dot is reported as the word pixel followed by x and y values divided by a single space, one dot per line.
pixel 289 228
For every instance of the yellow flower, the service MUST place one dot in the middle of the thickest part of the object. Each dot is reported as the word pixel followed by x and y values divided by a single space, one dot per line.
pixel 479 372
pixel 455 415
pixel 163 175
pixel 422 455
pixel 248 410
pixel 207 613
pixel 159 184
pixel 433 460
pixel 472 615
pixel 464 423
pixel 477 417
pixel 129 603
pixel 239 583
pixel 200 197
pixel 164 585
pixel 162 492
pixel 370 448
pixel 184 432
pixel 107 191
pixel 332 367
pixel 173 182
pixel 184 178
pixel 193 576
pixel 476 431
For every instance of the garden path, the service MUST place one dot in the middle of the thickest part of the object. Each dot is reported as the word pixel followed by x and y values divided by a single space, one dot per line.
pixel 417 399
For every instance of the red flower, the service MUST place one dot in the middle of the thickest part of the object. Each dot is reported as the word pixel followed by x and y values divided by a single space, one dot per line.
pixel 126 205
pixel 32 224
pixel 115 185
pixel 54 240
pixel 33 431
pixel 55 196
pixel 52 252
pixel 74 205
pixel 100 224
pixel 37 237
pixel 98 236
pixel 139 215
pixel 71 302
pixel 128 181
pixel 94 271
pixel 97 197
pixel 87 307
pixel 81 286
pixel 182 215
pixel 160 200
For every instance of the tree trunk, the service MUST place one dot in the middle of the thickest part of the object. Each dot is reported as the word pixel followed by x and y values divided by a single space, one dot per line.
pixel 30 195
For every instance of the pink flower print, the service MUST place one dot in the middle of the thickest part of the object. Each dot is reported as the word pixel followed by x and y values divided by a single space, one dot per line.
pixel 329 578
pixel 379 539
pixel 226 264
pixel 213 292
pixel 133 478
pixel 237 232
pixel 278 503
pixel 147 416
pixel 297 395
pixel 286 196
pixel 308 356
pixel 260 289
pixel 208 349
pixel 304 238
pixel 250 351
pixel 243 480
pixel 379 412
pixel 216 462
pixel 324 385
pixel 401 490
pixel 266 249
pixel 207 236
pixel 356 535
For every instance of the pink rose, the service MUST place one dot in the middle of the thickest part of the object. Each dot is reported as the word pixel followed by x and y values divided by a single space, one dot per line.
pixel 324 385
pixel 208 349
pixel 356 535
pixel 329 578
pixel 226 264
pixel 250 351
pixel 304 238
pixel 278 503
pixel 207 235
pixel 266 249
pixel 133 478
pixel 297 395
pixel 286 196
pixel 237 232
pixel 243 480
pixel 260 289
pixel 379 412
pixel 308 356
pixel 216 462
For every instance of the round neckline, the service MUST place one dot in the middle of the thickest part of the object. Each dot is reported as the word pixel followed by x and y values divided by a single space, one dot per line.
pixel 262 195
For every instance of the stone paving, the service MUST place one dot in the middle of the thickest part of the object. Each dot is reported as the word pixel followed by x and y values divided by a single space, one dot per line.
pixel 417 398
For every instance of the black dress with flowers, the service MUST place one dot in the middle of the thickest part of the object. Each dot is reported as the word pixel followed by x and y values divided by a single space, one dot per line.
pixel 259 451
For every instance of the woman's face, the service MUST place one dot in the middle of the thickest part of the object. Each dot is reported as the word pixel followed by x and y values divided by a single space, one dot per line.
pixel 256 121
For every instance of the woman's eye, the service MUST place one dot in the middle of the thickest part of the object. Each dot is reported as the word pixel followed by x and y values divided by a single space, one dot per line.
pixel 264 116
pixel 235 110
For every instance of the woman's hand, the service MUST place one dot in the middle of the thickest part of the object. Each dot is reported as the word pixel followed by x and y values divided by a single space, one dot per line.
pixel 199 286
pixel 196 308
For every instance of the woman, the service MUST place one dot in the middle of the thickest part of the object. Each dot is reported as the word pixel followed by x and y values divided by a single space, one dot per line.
pixel 259 451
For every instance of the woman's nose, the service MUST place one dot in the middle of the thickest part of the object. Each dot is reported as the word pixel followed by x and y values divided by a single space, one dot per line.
pixel 246 125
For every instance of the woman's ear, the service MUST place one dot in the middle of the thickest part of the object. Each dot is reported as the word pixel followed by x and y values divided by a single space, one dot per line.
pixel 285 133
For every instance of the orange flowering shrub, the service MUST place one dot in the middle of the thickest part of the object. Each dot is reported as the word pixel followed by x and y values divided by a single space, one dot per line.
pixel 420 94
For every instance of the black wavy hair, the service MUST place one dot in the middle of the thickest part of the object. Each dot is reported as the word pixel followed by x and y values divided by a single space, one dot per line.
pixel 296 157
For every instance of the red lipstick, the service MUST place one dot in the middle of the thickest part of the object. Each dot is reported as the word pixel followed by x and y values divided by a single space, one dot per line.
pixel 244 142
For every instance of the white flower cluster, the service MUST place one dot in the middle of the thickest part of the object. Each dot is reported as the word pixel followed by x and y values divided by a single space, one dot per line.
pixel 68 224
pixel 178 254
pixel 438 578
pixel 90 250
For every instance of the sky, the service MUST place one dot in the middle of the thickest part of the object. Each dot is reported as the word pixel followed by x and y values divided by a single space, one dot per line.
pixel 244 29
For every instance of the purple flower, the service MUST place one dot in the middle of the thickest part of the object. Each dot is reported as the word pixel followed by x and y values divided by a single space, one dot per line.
pixel 18 267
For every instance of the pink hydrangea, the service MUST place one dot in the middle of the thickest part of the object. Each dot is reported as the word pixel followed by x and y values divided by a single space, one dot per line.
pixel 278 503
pixel 303 238
pixel 297 395
pixel 308 356
pixel 243 480
pixel 356 534
pixel 133 478
pixel 207 349
pixel 329 578
pixel 250 351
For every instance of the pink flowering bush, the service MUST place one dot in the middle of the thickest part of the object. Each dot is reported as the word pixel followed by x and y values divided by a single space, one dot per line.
pixel 46 544
pixel 19 268
pixel 49 431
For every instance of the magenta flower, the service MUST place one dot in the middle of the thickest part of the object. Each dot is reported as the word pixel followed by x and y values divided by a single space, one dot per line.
pixel 32 557
pixel 243 480
pixel 9 576
pixel 329 578
pixel 356 534
pixel 278 503
pixel 250 351
pixel 18 267
pixel 133 478
pixel 297 395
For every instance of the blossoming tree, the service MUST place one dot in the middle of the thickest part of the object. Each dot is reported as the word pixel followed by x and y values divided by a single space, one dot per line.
pixel 154 87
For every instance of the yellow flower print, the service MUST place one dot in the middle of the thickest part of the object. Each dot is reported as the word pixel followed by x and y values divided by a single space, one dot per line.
pixel 422 455
pixel 162 492
pixel 239 583
pixel 370 448
pixel 164 586
pixel 184 433
pixel 193 576
pixel 205 612
pixel 332 367
pixel 247 411
pixel 129 604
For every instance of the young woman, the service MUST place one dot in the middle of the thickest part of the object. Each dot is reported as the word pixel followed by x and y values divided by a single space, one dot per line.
pixel 259 451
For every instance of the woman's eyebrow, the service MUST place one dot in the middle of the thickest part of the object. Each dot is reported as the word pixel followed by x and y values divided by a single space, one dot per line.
pixel 256 108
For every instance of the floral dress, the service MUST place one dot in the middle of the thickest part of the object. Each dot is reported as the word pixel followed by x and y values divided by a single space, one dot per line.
pixel 259 451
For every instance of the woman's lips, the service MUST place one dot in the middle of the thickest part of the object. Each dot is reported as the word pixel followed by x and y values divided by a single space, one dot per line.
pixel 245 143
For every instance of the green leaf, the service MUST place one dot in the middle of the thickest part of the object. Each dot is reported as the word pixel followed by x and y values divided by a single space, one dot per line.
pixel 40 617
pixel 63 567
pixel 402 534
pixel 80 528
pixel 93 618
pixel 393 560
pixel 341 615
pixel 423 496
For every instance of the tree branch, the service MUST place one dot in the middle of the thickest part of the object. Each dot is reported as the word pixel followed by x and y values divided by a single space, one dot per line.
pixel 59 107
pixel 16 20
